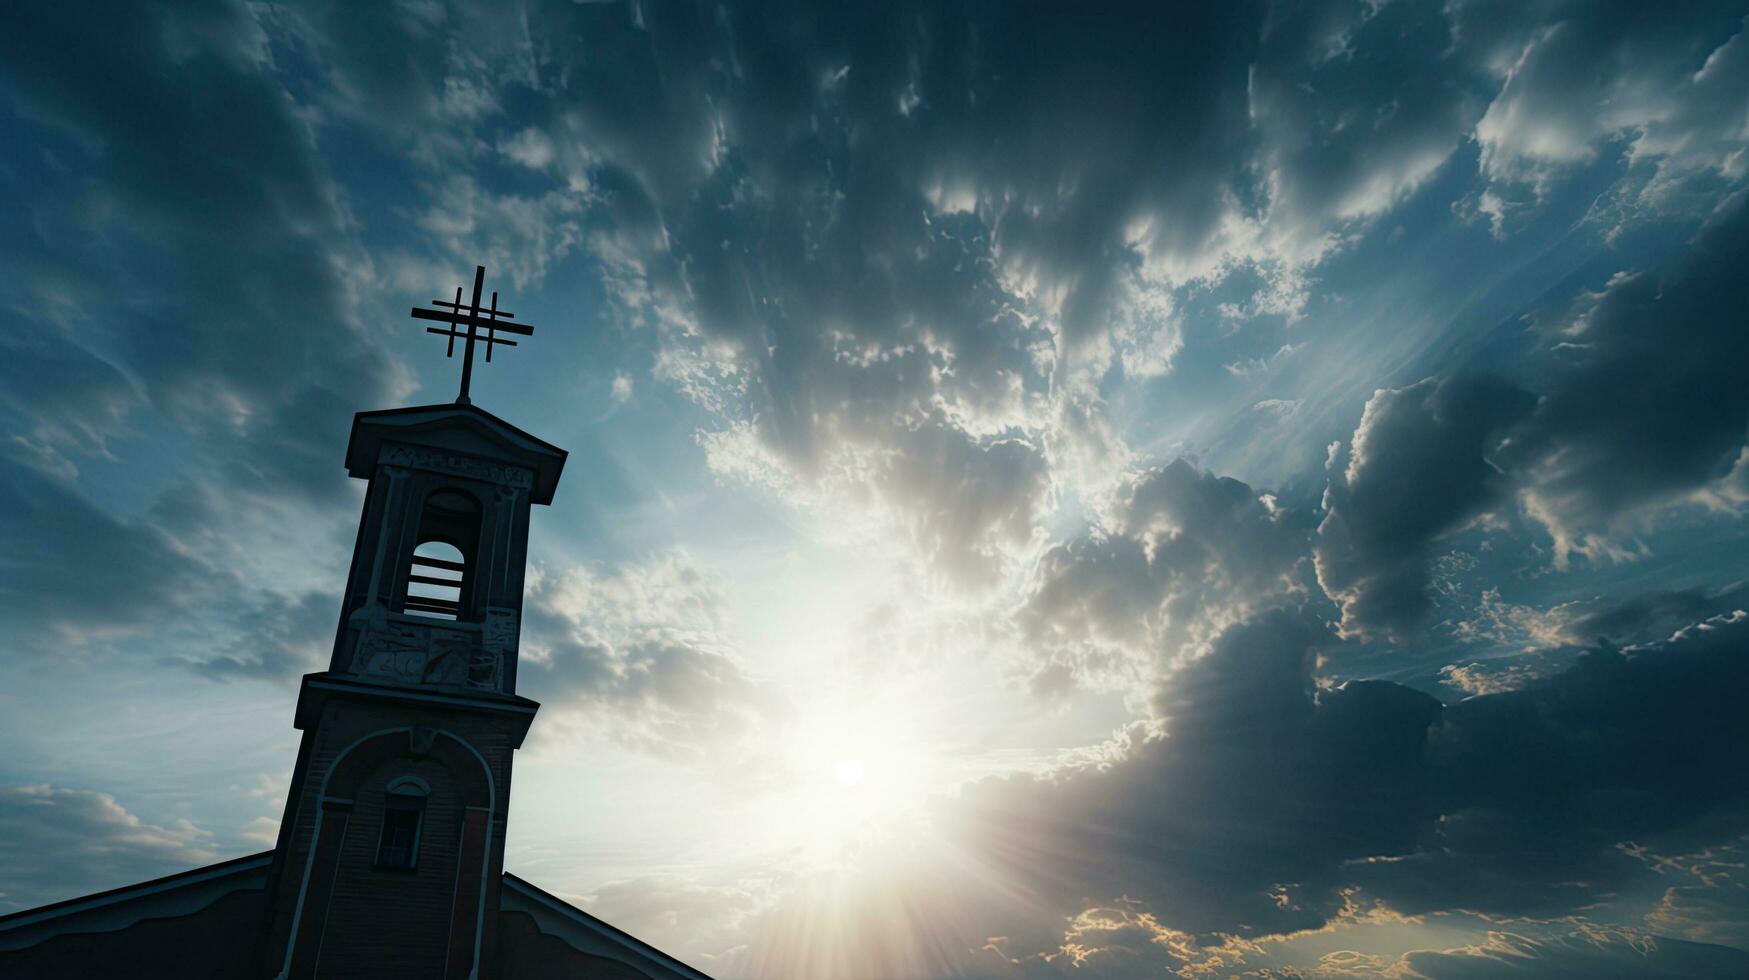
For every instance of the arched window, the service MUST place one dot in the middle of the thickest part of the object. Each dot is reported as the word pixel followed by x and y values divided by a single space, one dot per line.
pixel 434 585
pixel 403 813
pixel 437 575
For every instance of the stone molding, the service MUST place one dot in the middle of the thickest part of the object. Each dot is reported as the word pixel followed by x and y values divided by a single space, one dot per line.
pixel 428 653
pixel 455 464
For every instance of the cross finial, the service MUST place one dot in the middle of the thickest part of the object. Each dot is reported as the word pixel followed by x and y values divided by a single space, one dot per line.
pixel 454 315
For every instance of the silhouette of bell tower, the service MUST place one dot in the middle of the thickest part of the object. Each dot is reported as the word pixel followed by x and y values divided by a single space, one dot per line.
pixel 391 850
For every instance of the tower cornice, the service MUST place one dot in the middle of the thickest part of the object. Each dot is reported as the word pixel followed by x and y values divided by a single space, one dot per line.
pixel 461 431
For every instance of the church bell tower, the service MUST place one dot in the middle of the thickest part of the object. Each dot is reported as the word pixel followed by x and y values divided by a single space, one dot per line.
pixel 391 850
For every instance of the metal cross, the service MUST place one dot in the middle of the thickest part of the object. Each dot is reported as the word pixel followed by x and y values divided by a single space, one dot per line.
pixel 454 315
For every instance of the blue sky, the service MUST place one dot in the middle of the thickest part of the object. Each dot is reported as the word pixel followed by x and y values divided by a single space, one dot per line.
pixel 1236 487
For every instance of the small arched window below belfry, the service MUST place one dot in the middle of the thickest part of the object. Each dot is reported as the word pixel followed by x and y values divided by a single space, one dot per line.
pixel 403 815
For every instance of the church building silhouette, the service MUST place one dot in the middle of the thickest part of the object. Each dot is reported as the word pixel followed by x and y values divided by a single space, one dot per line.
pixel 390 856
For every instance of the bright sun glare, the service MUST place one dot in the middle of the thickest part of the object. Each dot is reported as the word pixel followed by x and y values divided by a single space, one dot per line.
pixel 852 773
pixel 849 772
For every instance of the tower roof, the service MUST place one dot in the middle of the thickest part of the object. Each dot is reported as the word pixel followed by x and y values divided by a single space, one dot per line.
pixel 458 428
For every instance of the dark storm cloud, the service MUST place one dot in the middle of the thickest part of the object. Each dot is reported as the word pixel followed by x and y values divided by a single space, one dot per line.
pixel 1641 402
pixel 1419 467
pixel 1259 783
pixel 1651 400
pixel 1648 615
pixel 1535 787
pixel 1270 795
pixel 1579 956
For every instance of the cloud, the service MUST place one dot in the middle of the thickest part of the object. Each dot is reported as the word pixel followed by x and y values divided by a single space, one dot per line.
pixel 280 637
pixel 190 293
pixel 969 504
pixel 645 650
pixel 1418 468
pixel 926 272
pixel 704 923
pixel 1478 678
pixel 1647 403
pixel 263 831
pixel 59 402
pixel 1346 128
pixel 1539 784
pixel 1576 78
pixel 77 581
pixel 1590 952
pixel 1710 904
pixel 1261 780
pixel 863 244
pixel 1641 407
pixel 183 151
pixel 73 574
pixel 521 234
pixel 1647 615
pixel 1271 795
pixel 95 842
pixel 1185 552
pixel 967 507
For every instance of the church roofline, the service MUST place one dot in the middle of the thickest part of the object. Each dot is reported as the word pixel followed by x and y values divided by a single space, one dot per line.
pixel 257 864
pixel 613 935
pixel 24 918
pixel 369 429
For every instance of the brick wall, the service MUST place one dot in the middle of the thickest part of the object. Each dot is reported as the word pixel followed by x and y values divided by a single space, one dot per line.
pixel 379 922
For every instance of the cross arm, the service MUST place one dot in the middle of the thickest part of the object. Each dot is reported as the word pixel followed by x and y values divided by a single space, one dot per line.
pixel 463 319
pixel 488 341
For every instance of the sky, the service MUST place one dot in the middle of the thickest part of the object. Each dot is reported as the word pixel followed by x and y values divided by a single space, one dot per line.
pixel 1210 489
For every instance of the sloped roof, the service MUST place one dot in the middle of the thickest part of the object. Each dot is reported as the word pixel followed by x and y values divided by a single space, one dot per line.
pixel 187 892
pixel 585 932
pixel 106 911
